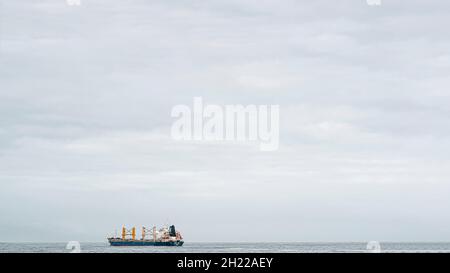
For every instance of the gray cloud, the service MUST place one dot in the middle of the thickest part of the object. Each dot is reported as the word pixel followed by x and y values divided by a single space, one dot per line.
pixel 86 94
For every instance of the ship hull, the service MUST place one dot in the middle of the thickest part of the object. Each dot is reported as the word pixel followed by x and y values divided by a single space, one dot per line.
pixel 144 243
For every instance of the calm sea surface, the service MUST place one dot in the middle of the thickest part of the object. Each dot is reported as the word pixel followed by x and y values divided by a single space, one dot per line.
pixel 227 247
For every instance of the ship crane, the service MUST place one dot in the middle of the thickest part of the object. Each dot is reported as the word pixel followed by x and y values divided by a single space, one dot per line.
pixel 131 232
pixel 150 232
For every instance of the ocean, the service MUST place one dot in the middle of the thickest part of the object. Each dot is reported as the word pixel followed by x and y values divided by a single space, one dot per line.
pixel 189 247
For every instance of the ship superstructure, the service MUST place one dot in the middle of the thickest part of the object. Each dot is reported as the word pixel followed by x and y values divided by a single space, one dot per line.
pixel 165 236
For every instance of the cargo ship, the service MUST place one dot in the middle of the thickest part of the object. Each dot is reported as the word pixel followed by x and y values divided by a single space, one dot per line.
pixel 166 236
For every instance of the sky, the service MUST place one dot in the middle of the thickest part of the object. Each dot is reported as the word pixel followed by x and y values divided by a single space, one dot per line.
pixel 86 94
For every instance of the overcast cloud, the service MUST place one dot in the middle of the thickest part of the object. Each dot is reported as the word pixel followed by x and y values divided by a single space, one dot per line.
pixel 86 94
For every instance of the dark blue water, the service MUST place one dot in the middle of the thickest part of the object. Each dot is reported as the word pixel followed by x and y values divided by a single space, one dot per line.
pixel 228 247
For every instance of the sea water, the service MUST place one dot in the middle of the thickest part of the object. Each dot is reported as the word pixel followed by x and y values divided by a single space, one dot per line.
pixel 192 247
